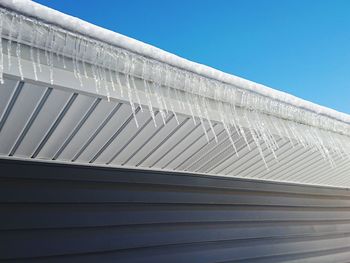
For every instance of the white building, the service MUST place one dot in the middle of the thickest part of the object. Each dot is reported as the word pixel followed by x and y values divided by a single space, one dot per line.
pixel 112 150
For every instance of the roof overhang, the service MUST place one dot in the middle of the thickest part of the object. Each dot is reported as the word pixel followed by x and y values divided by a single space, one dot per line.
pixel 62 101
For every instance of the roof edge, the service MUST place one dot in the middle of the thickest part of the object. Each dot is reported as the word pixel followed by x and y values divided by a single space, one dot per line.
pixel 77 25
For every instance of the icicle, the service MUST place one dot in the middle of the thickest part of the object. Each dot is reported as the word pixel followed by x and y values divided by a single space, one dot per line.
pixel 80 60
pixel 127 65
pixel 180 102
pixel 294 135
pixel 107 89
pixel 131 100
pixel 102 84
pixel 64 50
pixel 147 90
pixel 279 134
pixel 9 43
pixel 268 138
pixel 241 129
pixel 150 107
pixel 1 51
pixel 84 52
pixel 51 58
pixel 272 140
pixel 136 92
pixel 290 138
pixel 299 135
pixel 54 44
pixel 231 110
pixel 117 59
pixel 189 103
pixel 167 84
pixel 48 53
pixel 60 48
pixel 172 107
pixel 258 145
pixel 275 125
pixel 104 79
pixel 111 79
pixel 38 60
pixel 110 74
pixel 32 43
pixel 199 114
pixel 18 48
pixel 103 72
pixel 129 70
pixel 57 47
pixel 253 132
pixel 209 120
pixel 74 62
pixel 46 48
pixel 77 43
pixel 166 88
pixel 94 72
pixel 205 106
pixel 223 121
pixel 156 89
pixel 97 68
pixel 154 86
pixel 160 89
pixel 99 78
pixel 176 118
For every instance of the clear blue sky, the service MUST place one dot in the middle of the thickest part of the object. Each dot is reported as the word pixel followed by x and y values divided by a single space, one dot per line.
pixel 299 46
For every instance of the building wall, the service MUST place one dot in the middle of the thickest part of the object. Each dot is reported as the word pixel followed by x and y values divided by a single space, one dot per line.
pixel 67 213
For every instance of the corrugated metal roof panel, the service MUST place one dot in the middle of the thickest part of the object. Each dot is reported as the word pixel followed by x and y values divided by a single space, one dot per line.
pixel 46 123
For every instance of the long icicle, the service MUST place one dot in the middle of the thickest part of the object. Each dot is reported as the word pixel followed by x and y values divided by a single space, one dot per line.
pixel 32 43
pixel 18 48
pixel 1 51
pixel 9 42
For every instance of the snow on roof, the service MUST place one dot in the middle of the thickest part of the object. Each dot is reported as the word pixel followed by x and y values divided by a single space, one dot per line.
pixel 74 24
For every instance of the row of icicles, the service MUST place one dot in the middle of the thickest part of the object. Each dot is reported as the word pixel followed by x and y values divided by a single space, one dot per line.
pixel 168 89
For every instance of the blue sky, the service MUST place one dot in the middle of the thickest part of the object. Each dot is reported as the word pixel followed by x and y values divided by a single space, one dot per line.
pixel 299 46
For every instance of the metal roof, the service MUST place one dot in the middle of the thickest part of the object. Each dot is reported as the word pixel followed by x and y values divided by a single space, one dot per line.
pixel 39 122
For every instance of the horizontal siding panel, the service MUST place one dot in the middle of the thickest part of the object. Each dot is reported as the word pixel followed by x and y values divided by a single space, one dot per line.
pixel 102 192
pixel 339 255
pixel 225 251
pixel 67 213
pixel 54 171
pixel 95 239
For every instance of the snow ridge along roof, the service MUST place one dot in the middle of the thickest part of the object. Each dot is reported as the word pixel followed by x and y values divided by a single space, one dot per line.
pixel 74 24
